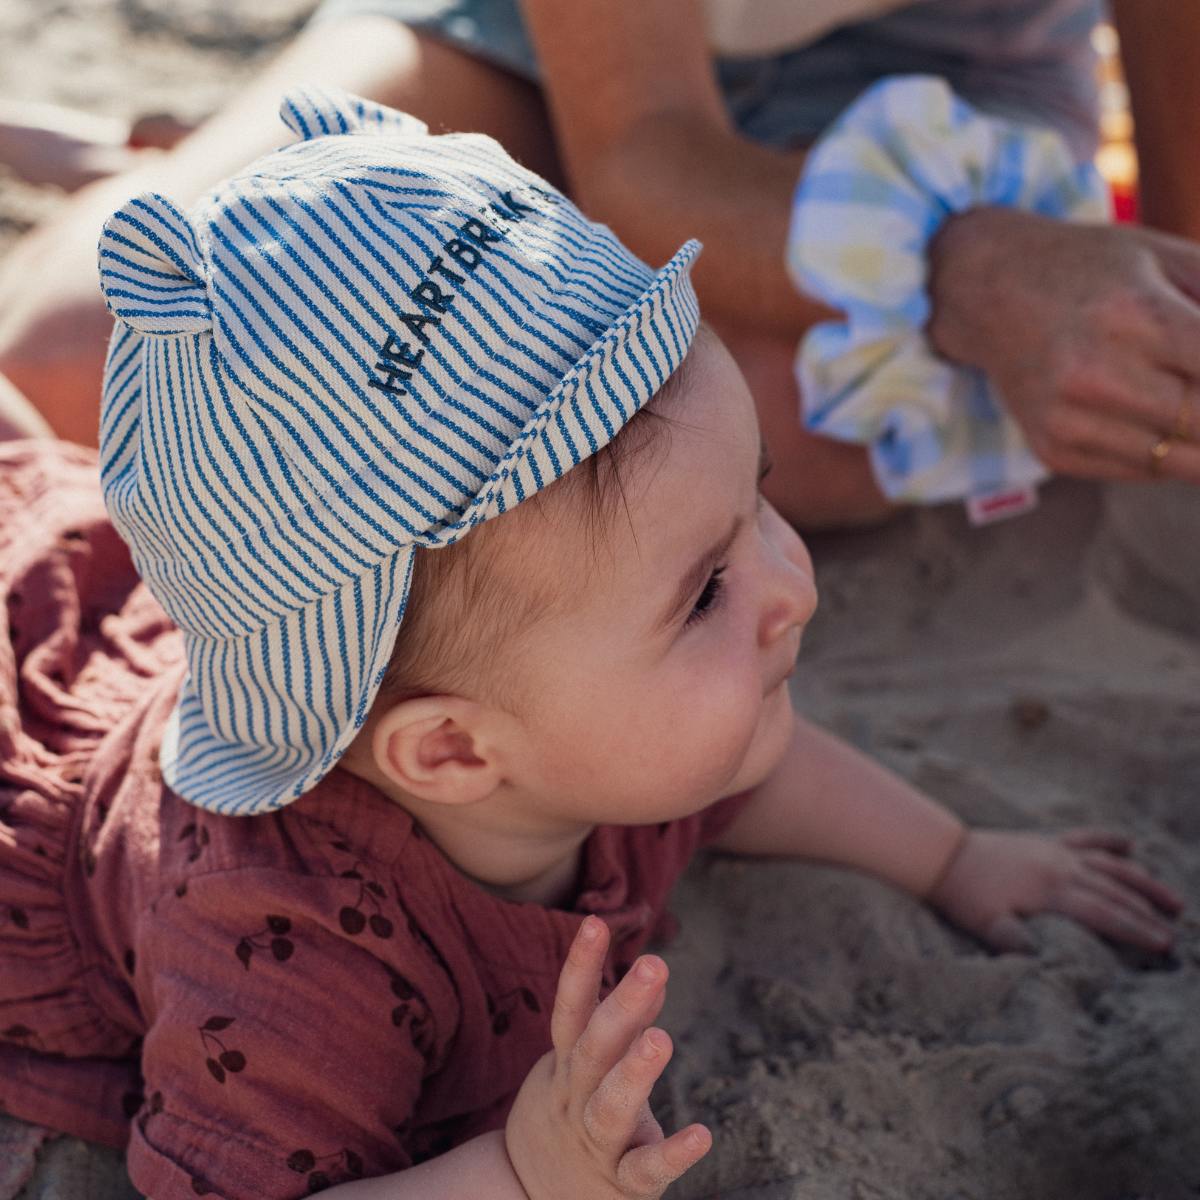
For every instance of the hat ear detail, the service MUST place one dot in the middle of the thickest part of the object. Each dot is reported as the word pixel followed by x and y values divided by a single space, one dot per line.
pixel 313 112
pixel 151 270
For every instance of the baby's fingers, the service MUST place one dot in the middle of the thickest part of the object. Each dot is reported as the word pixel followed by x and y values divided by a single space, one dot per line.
pixel 1097 839
pixel 1113 918
pixel 649 1170
pixel 617 1106
pixel 1139 880
pixel 1097 880
pixel 615 1025
pixel 578 985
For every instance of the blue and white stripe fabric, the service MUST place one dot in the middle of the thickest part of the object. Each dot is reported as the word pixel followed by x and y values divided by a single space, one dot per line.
pixel 371 340
pixel 874 190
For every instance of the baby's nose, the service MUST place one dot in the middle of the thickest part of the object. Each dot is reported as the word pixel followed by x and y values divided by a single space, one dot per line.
pixel 792 599
pixel 796 603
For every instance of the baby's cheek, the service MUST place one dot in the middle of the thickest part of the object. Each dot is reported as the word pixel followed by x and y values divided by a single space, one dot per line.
pixel 722 725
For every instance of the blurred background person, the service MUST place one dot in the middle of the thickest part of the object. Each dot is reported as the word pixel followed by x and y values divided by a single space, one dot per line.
pixel 683 118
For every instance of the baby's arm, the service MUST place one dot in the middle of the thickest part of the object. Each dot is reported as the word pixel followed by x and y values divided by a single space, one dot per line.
pixel 581 1124
pixel 478 1168
pixel 826 801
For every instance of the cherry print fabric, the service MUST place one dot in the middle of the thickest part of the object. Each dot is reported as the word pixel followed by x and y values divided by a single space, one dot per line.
pixel 255 1006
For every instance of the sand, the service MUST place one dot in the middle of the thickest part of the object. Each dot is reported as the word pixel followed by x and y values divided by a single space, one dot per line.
pixel 841 1040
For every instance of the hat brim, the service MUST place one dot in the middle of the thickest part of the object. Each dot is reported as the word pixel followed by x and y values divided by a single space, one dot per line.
pixel 617 374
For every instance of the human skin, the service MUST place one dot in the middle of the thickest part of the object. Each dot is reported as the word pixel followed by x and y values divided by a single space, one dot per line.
pixel 627 707
pixel 621 111
pixel 18 418
pixel 46 144
pixel 1101 359
pixel 1158 54
pixel 510 782
pixel 1092 334
pixel 1026 302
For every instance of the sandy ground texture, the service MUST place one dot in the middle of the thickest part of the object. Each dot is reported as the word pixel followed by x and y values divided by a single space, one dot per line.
pixel 841 1041
pixel 845 1042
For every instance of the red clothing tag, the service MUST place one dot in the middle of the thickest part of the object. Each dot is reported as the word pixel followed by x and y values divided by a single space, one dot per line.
pixel 998 506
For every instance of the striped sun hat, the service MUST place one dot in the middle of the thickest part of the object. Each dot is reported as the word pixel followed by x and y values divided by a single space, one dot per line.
pixel 371 340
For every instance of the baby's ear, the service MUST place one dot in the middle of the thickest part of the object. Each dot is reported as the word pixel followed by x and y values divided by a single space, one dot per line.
pixel 151 270
pixel 438 749
pixel 313 112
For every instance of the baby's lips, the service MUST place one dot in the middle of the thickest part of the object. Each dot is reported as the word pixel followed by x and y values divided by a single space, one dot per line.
pixel 782 674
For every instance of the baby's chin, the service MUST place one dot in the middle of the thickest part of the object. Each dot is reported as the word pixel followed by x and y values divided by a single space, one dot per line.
pixel 770 743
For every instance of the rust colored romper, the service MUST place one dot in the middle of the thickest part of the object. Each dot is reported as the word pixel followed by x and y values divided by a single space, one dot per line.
pixel 256 1007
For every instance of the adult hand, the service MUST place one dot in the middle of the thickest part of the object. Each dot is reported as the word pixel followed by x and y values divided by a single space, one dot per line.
pixel 581 1124
pixel 996 878
pixel 1091 334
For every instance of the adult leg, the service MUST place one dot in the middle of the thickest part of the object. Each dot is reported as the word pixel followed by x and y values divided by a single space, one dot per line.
pixel 18 418
pixel 53 325
pixel 815 482
pixel 66 147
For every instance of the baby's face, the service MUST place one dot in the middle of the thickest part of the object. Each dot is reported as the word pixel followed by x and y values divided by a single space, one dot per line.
pixel 663 687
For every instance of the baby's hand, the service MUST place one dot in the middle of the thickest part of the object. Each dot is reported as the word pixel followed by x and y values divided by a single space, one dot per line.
pixel 997 878
pixel 581 1125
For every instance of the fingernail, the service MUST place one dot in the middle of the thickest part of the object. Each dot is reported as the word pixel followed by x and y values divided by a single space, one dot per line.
pixel 646 971
pixel 589 931
pixel 651 1044
pixel 695 1139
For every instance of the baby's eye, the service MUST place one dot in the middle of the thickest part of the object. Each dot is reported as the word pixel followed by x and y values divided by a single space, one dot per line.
pixel 708 599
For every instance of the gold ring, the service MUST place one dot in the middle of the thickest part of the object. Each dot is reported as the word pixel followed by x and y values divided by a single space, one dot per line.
pixel 1183 422
pixel 1159 452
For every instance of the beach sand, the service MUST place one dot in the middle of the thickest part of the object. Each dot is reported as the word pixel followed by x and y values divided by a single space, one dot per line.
pixel 845 1042
pixel 842 1042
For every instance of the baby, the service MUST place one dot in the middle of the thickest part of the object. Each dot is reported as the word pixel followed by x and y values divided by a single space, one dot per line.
pixel 328 854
